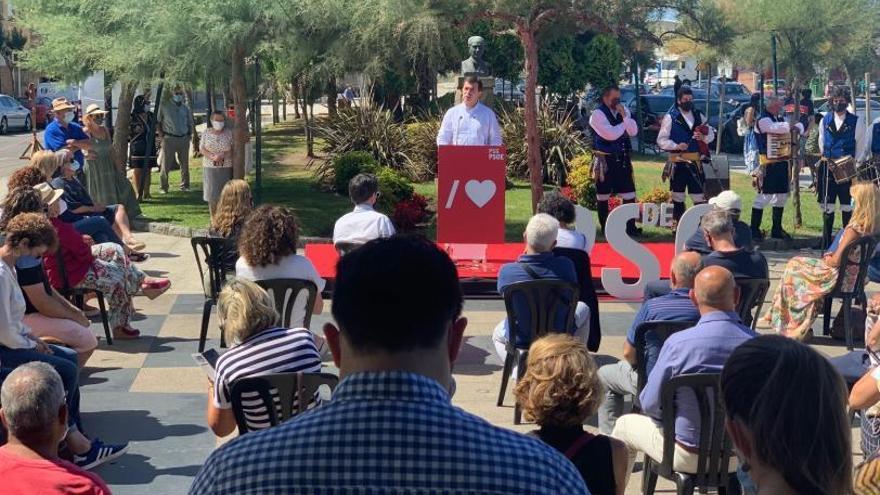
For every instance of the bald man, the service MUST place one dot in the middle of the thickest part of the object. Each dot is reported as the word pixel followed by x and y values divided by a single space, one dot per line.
pixel 701 349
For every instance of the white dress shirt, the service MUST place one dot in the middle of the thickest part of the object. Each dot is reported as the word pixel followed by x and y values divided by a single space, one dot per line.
pixel 838 121
pixel 362 225
pixel 600 125
pixel 463 126
pixel 667 144
pixel 869 140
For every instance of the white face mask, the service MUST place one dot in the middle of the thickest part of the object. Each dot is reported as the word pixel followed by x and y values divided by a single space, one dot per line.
pixel 62 206
pixel 218 125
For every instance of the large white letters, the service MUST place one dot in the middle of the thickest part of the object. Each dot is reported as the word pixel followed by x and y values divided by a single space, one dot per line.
pixel 615 234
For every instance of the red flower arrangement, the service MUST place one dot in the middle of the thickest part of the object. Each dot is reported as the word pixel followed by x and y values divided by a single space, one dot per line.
pixel 569 193
pixel 410 212
pixel 614 202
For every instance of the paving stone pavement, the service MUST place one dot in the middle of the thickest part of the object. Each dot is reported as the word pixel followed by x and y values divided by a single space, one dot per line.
pixel 151 393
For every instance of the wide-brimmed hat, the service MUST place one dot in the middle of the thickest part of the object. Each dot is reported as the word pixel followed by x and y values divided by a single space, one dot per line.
pixel 60 104
pixel 49 194
pixel 94 109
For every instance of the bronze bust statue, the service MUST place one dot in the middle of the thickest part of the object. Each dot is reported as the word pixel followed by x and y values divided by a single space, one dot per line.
pixel 475 65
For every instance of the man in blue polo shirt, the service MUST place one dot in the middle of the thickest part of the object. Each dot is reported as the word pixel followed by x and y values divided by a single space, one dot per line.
pixel 63 132
pixel 620 378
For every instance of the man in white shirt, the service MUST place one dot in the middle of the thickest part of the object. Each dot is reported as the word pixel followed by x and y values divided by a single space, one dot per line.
pixel 470 123
pixel 612 128
pixel 841 133
pixel 683 133
pixel 872 143
pixel 364 223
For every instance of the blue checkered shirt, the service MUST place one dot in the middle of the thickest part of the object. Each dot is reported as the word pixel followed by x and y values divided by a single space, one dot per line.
pixel 387 432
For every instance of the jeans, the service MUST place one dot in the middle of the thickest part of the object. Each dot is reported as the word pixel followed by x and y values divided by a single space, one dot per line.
pixel 99 228
pixel 620 379
pixel 65 363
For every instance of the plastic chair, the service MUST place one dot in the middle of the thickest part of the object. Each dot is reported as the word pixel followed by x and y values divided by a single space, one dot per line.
pixel 661 330
pixel 857 292
pixel 210 249
pixel 78 295
pixel 715 447
pixel 752 292
pixel 287 387
pixel 582 266
pixel 285 291
pixel 545 299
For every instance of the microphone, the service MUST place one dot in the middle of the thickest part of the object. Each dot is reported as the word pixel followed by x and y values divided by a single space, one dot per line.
pixel 457 129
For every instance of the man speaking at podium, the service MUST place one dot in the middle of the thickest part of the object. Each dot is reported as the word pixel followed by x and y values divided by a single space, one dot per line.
pixel 470 123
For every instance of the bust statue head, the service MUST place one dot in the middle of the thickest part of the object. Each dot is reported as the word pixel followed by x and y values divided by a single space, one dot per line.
pixel 476 46
pixel 475 65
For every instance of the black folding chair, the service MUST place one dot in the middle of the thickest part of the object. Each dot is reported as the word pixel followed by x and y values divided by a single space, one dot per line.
pixel 848 294
pixel 655 329
pixel 714 449
pixel 545 299
pixel 211 250
pixel 277 393
pixel 752 292
pixel 285 292
pixel 582 266
pixel 78 296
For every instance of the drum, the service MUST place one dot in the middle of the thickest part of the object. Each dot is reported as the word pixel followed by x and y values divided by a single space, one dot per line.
pixel 843 169
pixel 869 171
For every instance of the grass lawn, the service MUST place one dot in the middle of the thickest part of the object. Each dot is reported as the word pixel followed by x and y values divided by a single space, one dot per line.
pixel 287 181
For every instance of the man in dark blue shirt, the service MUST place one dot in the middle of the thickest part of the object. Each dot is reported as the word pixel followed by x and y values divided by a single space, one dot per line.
pixel 620 378
pixel 730 202
pixel 539 263
pixel 63 132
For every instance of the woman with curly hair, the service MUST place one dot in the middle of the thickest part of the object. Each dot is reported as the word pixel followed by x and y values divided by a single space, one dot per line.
pixel 27 176
pixel 559 391
pixel 268 251
pixel 232 209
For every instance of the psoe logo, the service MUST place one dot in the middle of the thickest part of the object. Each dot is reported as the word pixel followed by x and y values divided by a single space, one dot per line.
pixel 496 154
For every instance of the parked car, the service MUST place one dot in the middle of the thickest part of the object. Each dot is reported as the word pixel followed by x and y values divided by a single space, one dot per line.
pixel 699 94
pixel 860 108
pixel 44 109
pixel 13 114
pixel 654 107
pixel 508 91
pixel 732 91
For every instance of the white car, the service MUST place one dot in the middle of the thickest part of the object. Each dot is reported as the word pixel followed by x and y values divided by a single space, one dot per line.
pixel 13 115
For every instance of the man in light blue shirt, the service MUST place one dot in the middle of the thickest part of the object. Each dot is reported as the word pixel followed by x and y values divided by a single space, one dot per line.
pixel 701 349
pixel 175 128
pixel 470 123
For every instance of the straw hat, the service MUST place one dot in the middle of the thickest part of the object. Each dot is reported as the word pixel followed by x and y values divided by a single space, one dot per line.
pixel 61 104
pixel 49 194
pixel 94 109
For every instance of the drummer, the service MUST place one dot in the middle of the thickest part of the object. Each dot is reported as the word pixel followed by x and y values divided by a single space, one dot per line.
pixel 771 179
pixel 872 144
pixel 841 134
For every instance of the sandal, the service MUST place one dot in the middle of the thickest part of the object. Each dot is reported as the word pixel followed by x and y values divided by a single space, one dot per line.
pixel 154 291
pixel 138 257
pixel 156 283
pixel 126 333
pixel 135 244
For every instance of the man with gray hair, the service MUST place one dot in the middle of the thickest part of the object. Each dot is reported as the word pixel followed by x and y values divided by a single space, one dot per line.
pixel 538 263
pixel 620 378
pixel 34 413
pixel 730 202
pixel 718 229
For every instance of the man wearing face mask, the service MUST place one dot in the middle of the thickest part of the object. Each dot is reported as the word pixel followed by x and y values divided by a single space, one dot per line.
pixel 63 132
pixel 681 132
pixel 612 128
pixel 841 134
pixel 772 177
pixel 175 129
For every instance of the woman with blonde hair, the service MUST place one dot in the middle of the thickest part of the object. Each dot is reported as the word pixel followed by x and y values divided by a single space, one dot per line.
pixel 561 390
pixel 806 280
pixel 46 162
pixel 258 346
pixel 228 217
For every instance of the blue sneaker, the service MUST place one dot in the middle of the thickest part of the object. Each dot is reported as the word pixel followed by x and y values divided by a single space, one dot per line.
pixel 99 454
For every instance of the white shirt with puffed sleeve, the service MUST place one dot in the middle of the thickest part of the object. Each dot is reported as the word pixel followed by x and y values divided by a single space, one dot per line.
pixel 463 126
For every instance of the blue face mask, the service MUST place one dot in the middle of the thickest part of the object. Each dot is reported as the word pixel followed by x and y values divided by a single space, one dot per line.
pixel 177 98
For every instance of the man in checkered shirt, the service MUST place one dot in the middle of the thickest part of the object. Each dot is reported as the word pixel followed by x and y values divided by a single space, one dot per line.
pixel 390 426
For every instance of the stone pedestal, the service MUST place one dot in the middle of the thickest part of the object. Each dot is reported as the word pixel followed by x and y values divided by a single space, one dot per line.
pixel 488 90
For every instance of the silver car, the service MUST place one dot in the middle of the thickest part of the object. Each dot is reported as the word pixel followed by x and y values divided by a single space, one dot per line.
pixel 13 115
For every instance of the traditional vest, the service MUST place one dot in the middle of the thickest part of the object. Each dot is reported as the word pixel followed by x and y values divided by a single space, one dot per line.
pixel 841 142
pixel 620 144
pixel 681 132
pixel 875 140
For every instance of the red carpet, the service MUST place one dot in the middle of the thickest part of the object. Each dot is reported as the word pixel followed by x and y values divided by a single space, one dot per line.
pixel 324 257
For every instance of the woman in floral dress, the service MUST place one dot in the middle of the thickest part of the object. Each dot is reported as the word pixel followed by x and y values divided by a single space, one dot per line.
pixel 806 281
pixel 216 149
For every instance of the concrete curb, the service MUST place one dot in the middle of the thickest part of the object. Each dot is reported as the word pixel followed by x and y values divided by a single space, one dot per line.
pixel 173 230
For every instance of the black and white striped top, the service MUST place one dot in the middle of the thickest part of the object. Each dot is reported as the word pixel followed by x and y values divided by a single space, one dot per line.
pixel 275 350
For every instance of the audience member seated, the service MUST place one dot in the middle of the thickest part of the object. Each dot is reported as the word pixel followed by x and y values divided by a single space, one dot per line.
pixel 717 227
pixel 81 205
pixel 49 315
pixel 258 347
pixel 701 349
pixel 730 202
pixel 559 391
pixel 620 379
pixel 562 209
pixel 27 177
pixel 867 476
pixel 806 281
pixel 102 267
pixel 391 414
pixel 873 264
pixel 539 263
pixel 786 416
pixel 865 394
pixel 267 249
pixel 35 417
pixel 31 234
pixel 364 223
pixel 230 213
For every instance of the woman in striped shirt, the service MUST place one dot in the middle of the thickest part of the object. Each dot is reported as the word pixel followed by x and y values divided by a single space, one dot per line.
pixel 257 347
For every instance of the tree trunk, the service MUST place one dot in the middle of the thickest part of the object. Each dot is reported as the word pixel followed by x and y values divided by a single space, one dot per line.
pixel 294 94
pixel 195 138
pixel 209 93
pixel 720 131
pixel 798 158
pixel 303 91
pixel 240 100
pixel 123 124
pixel 275 110
pixel 284 103
pixel 533 140
pixel 331 97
